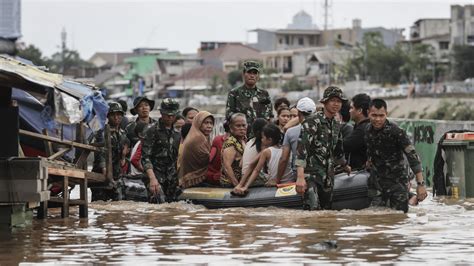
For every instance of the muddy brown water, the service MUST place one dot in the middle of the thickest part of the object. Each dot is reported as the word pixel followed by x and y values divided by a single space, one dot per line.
pixel 438 231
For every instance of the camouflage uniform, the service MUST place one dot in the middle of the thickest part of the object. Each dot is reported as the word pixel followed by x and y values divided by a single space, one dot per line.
pixel 160 152
pixel 130 131
pixel 319 150
pixel 388 176
pixel 254 103
pixel 118 139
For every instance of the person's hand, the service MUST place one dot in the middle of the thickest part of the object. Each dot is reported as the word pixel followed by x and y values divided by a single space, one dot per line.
pixel 271 182
pixel 155 188
pixel 347 168
pixel 421 192
pixel 301 185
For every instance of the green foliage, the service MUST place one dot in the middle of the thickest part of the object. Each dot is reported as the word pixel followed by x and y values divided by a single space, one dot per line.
pixel 463 62
pixel 33 54
pixel 453 111
pixel 294 85
pixel 63 61
pixel 234 77
pixel 419 63
pixel 374 61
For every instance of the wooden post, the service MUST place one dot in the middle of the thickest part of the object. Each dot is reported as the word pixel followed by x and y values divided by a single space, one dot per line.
pixel 80 138
pixel 65 207
pixel 48 146
pixel 83 208
pixel 42 210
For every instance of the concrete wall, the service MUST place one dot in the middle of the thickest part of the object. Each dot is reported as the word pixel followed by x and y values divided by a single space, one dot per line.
pixel 425 135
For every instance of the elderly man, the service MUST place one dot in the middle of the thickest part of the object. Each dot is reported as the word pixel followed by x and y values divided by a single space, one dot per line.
pixel 319 150
pixel 160 154
pixel 142 107
pixel 248 98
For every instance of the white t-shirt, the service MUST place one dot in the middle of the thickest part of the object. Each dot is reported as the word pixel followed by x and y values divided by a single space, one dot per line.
pixel 250 152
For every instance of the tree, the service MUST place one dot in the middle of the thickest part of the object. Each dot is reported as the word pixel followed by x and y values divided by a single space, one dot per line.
pixel 64 61
pixel 33 54
pixel 417 59
pixel 463 57
pixel 374 61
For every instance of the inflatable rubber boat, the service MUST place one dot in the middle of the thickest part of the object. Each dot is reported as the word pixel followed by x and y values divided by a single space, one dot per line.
pixel 350 192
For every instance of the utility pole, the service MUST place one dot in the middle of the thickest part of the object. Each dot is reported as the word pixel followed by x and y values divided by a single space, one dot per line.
pixel 63 49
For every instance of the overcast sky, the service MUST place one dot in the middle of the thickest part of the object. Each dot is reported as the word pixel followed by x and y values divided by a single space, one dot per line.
pixel 119 26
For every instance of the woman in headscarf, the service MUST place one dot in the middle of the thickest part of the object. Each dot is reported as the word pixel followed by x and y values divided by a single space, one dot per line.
pixel 196 148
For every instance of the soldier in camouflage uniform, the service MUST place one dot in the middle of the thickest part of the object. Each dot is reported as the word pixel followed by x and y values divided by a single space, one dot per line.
pixel 160 154
pixel 142 107
pixel 248 98
pixel 319 150
pixel 386 145
pixel 118 139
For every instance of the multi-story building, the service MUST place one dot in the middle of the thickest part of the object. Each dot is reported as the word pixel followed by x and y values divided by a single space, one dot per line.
pixel 462 25
pixel 10 25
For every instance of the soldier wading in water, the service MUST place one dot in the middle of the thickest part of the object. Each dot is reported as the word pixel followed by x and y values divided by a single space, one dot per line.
pixel 319 150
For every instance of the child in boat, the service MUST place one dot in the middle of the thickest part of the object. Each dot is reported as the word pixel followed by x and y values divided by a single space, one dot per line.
pixel 269 157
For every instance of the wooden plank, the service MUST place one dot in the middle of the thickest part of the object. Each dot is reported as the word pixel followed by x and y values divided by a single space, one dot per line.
pixel 66 172
pixel 77 173
pixel 60 153
pixel 81 161
pixel 59 141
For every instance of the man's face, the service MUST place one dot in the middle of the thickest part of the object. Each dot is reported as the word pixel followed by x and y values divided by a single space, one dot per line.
pixel 377 117
pixel 190 116
pixel 168 120
pixel 115 118
pixel 293 113
pixel 143 109
pixel 355 113
pixel 251 77
pixel 333 105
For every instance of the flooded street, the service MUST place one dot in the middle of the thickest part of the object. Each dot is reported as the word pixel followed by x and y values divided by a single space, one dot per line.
pixel 438 231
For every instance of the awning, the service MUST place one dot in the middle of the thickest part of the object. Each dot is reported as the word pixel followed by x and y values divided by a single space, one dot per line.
pixel 69 102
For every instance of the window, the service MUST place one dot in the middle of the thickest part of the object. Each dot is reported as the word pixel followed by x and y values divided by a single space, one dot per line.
pixel 443 45
pixel 311 40
pixel 287 39
pixel 175 63
pixel 300 41
pixel 339 36
pixel 280 40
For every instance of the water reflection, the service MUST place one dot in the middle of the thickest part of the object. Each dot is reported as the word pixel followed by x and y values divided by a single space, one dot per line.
pixel 437 231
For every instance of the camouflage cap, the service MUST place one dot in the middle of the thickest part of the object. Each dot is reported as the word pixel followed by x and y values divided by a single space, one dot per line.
pixel 332 91
pixel 115 107
pixel 250 65
pixel 169 106
pixel 140 99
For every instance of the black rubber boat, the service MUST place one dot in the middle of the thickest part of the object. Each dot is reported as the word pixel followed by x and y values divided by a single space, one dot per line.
pixel 350 192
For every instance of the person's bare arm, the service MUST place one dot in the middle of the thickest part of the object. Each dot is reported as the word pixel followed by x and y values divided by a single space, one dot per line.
pixel 265 154
pixel 283 162
pixel 293 122
pixel 228 157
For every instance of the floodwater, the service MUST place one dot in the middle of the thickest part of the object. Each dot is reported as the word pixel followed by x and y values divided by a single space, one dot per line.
pixel 438 231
